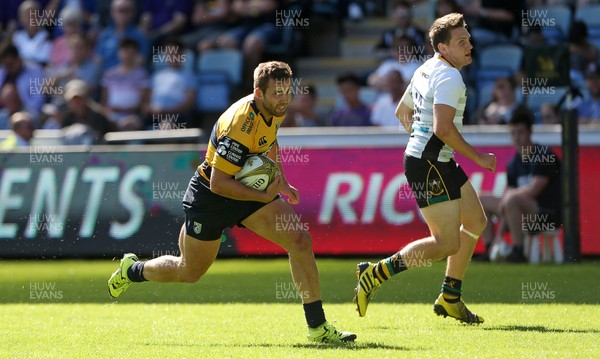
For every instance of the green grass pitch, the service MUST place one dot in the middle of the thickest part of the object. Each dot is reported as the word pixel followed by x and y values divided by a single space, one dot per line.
pixel 248 308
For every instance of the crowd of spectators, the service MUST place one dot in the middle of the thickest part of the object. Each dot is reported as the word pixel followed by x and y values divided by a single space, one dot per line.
pixel 130 55
pixel 119 64
pixel 405 46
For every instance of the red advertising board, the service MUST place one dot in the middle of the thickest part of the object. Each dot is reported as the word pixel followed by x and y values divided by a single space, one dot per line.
pixel 357 201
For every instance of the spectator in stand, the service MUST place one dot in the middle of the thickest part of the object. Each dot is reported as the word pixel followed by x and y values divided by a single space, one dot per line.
pixel 86 9
pixel 33 40
pixel 210 19
pixel 384 109
pixel 548 114
pixel 445 7
pixel 402 16
pixel 583 55
pixel 173 91
pixel 84 113
pixel 589 108
pixel 13 70
pixel 534 36
pixel 405 58
pixel 82 65
pixel 533 189
pixel 21 125
pixel 161 19
pixel 503 104
pixel 492 21
pixel 61 54
pixel 303 111
pixel 255 30
pixel 9 97
pixel 125 88
pixel 107 46
pixel 354 112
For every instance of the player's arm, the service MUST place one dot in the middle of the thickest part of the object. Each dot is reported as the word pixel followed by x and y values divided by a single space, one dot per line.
pixel 534 188
pixel 405 110
pixel 226 185
pixel 444 129
pixel 232 149
pixel 286 189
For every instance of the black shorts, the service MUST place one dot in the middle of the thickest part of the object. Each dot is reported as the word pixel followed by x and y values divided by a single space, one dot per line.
pixel 207 214
pixel 432 181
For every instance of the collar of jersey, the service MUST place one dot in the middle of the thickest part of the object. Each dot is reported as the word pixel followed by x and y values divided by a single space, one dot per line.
pixel 442 58
pixel 258 113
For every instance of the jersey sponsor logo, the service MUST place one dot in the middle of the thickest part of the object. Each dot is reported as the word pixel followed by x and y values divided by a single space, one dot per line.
pixel 248 123
pixel 262 141
pixel 232 151
pixel 197 227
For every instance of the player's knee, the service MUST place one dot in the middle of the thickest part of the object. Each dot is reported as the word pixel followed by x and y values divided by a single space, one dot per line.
pixel 448 244
pixel 476 225
pixel 191 276
pixel 452 247
pixel 301 242
pixel 511 199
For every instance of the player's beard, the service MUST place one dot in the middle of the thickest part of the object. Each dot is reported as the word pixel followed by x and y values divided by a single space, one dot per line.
pixel 277 110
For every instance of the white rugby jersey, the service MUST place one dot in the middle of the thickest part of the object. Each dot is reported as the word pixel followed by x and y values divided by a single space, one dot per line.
pixel 434 82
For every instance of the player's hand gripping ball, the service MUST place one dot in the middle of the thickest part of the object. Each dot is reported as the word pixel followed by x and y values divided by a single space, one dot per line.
pixel 258 172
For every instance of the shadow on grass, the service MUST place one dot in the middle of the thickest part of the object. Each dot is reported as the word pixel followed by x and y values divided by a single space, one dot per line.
pixel 539 329
pixel 269 281
pixel 347 346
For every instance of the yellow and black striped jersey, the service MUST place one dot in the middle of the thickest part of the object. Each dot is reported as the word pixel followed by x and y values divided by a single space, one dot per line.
pixel 239 132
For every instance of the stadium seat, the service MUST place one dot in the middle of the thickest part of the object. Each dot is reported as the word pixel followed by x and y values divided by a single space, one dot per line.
pixel 484 93
pixel 549 94
pixel 188 62
pixel 501 57
pixel 496 61
pixel 213 91
pixel 561 16
pixel 290 38
pixel 228 61
pixel 591 16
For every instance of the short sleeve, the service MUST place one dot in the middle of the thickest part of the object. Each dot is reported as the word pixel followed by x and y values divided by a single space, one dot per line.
pixel 448 89
pixel 511 174
pixel 546 163
pixel 233 146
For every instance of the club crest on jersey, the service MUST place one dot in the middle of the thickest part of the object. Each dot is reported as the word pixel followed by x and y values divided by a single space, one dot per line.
pixel 262 141
pixel 435 187
pixel 197 227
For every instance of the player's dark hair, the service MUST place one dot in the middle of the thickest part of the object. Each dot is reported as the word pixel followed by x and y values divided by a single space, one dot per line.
pixel 522 118
pixel 7 49
pixel 272 70
pixel 401 3
pixel 173 41
pixel 439 32
pixel 128 43
pixel 348 77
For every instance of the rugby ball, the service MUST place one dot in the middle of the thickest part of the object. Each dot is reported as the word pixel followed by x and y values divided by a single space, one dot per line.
pixel 257 172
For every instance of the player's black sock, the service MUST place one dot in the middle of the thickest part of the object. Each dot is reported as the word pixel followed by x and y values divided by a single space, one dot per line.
pixel 135 273
pixel 387 267
pixel 314 313
pixel 451 289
